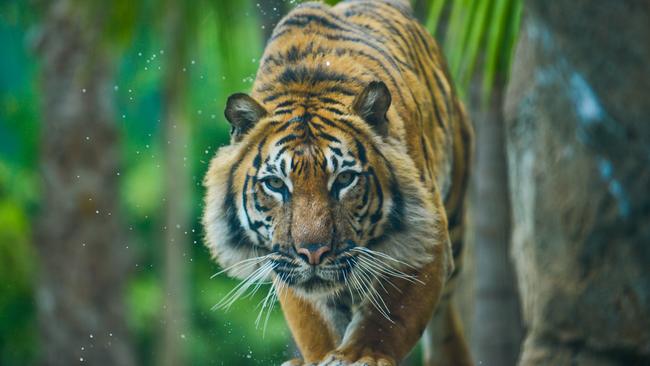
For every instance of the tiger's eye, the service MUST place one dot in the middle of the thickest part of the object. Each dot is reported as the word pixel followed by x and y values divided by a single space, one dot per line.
pixel 345 179
pixel 275 183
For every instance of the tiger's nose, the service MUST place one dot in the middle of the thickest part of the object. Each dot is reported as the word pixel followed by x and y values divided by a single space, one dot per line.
pixel 313 253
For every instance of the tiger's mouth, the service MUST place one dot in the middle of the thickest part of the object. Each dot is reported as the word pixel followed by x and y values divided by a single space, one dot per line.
pixel 329 276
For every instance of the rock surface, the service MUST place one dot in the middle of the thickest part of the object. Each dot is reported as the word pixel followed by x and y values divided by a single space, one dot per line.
pixel 578 138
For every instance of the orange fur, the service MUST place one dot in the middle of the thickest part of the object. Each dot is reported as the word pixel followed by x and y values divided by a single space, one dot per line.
pixel 353 144
pixel 311 332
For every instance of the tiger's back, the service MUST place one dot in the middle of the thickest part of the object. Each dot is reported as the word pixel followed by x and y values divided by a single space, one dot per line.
pixel 346 177
pixel 321 57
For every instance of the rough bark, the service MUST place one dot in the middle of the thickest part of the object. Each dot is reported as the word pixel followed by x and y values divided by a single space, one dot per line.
pixel 83 253
pixel 496 310
pixel 173 350
pixel 578 142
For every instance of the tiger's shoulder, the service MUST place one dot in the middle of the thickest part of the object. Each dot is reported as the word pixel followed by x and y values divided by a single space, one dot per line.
pixel 322 57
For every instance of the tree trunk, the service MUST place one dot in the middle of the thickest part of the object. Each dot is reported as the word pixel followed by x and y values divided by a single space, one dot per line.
pixel 173 350
pixel 83 253
pixel 578 135
pixel 496 310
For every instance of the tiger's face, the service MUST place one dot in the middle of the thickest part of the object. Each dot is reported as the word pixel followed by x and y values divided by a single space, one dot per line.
pixel 305 193
pixel 311 197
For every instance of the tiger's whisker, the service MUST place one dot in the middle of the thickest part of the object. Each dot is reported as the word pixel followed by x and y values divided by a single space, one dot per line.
pixel 379 300
pixel 239 290
pixel 370 293
pixel 380 254
pixel 385 273
pixel 246 263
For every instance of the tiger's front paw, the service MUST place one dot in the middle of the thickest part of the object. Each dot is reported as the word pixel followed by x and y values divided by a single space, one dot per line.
pixel 338 358
pixel 334 359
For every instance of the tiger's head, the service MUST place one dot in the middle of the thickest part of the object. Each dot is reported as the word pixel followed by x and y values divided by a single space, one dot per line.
pixel 316 191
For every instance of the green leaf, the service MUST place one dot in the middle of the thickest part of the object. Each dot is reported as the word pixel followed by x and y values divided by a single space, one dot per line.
pixel 433 17
pixel 496 46
pixel 476 40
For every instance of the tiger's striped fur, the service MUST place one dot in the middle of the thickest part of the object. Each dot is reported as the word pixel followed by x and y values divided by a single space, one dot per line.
pixel 353 143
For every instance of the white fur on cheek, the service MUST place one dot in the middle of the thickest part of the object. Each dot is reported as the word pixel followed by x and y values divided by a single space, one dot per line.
pixel 218 237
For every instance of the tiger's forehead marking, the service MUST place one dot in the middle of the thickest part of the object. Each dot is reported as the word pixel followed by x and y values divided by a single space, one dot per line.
pixel 306 147
pixel 307 132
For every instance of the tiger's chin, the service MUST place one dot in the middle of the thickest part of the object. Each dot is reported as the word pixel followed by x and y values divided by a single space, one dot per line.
pixel 316 287
pixel 318 282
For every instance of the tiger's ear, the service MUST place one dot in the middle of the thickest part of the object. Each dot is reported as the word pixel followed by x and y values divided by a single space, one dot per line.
pixel 243 112
pixel 372 105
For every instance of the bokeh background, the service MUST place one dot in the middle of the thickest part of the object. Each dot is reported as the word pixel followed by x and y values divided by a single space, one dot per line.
pixel 110 112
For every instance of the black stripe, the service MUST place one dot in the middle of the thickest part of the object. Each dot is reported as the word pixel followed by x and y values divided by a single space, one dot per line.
pixel 283 127
pixel 366 42
pixel 286 103
pixel 283 111
pixel 378 214
pixel 304 20
pixel 329 100
pixel 329 137
pixel 295 93
pixel 273 97
pixel 286 139
pixel 425 153
pixel 386 22
pixel 335 163
pixel 312 75
pixel 334 110
pixel 361 150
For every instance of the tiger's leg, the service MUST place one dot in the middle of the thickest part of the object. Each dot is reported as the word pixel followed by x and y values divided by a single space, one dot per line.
pixel 446 345
pixel 308 327
pixel 444 340
pixel 373 340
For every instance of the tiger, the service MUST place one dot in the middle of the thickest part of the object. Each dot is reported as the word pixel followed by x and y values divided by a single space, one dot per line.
pixel 344 182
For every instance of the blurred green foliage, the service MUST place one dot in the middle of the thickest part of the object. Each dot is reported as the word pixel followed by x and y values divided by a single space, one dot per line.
pixel 18 189
pixel 224 47
pixel 217 66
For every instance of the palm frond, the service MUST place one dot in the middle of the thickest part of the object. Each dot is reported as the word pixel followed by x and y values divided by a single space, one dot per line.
pixel 477 32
